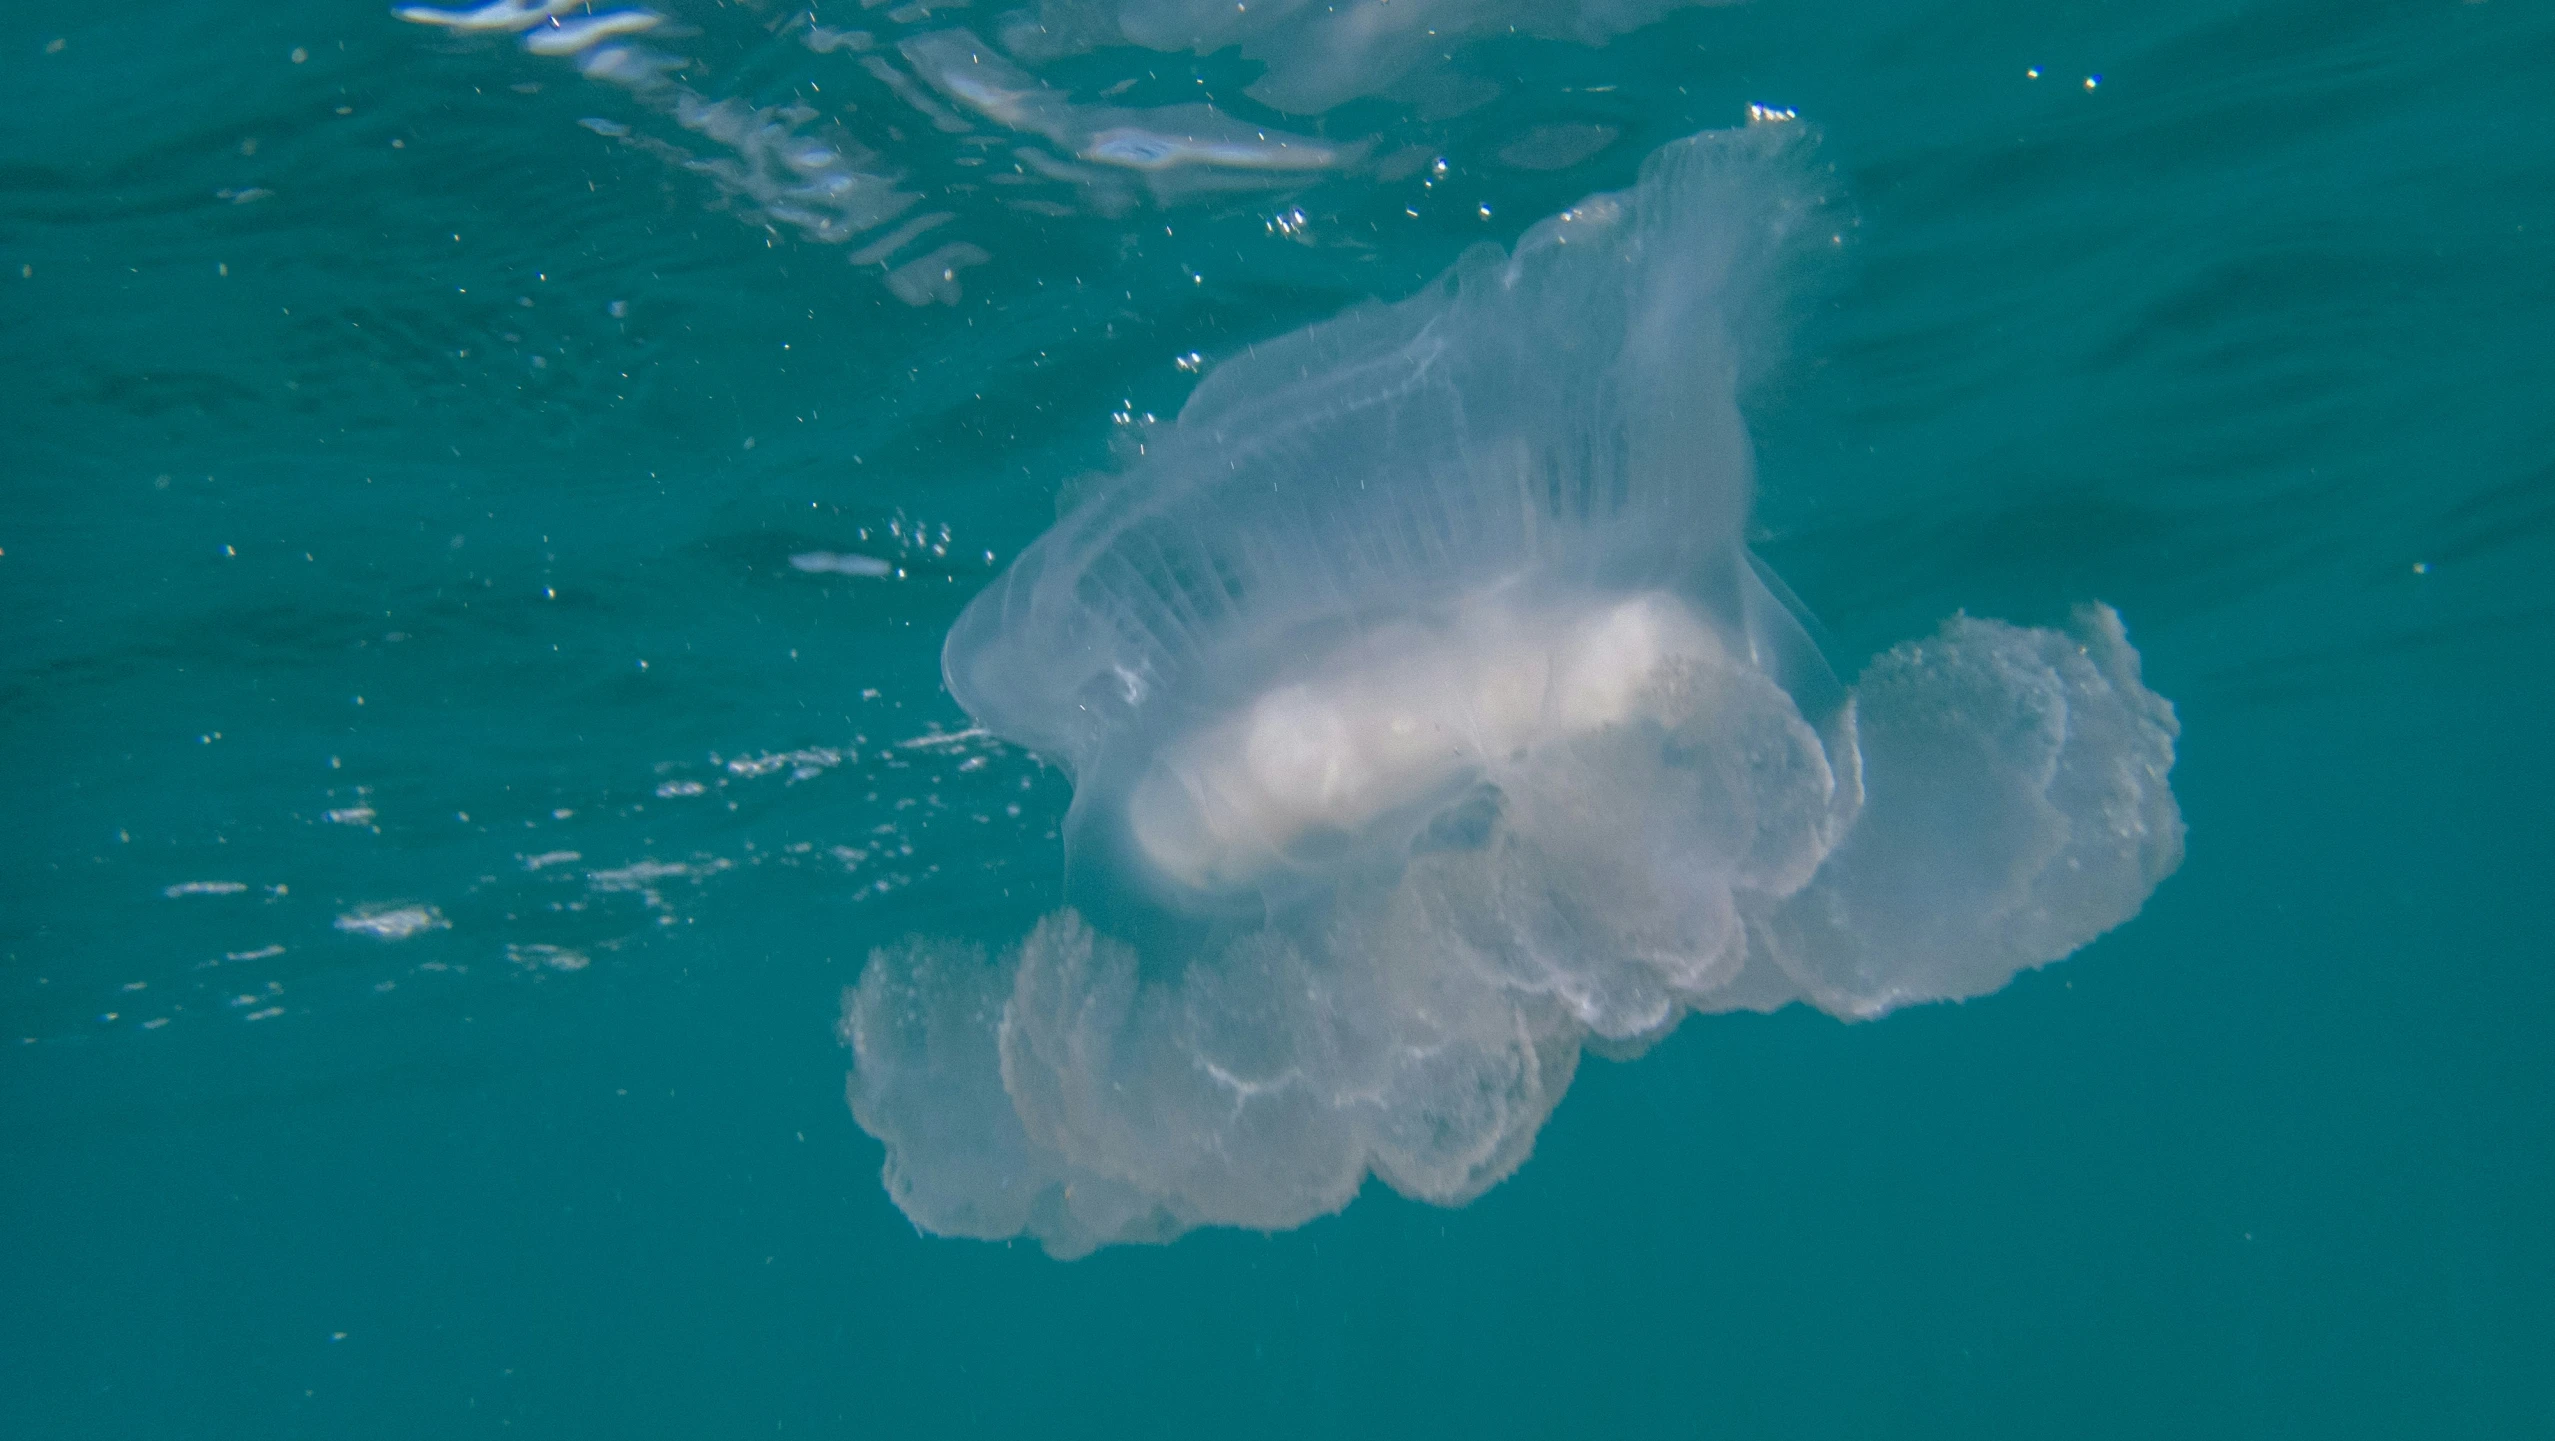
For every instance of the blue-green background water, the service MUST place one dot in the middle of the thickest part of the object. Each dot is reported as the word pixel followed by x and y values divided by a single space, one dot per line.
pixel 371 494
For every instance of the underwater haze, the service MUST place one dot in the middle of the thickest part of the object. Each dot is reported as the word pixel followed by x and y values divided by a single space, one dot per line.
pixel 1119 718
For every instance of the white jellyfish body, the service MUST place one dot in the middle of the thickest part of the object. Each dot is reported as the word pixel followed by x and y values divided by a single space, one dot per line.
pixel 1410 713
pixel 1429 720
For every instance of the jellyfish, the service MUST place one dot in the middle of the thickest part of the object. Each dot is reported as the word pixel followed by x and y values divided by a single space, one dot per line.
pixel 1431 724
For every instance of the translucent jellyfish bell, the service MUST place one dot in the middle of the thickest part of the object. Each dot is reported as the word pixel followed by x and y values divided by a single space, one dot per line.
pixel 1377 561
pixel 1429 721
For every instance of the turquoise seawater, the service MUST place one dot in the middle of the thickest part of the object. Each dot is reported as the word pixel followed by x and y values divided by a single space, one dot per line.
pixel 446 819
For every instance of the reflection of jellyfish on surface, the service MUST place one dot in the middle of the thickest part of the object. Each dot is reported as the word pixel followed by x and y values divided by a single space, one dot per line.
pixel 1319 55
pixel 905 121
pixel 1429 720
pixel 799 166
